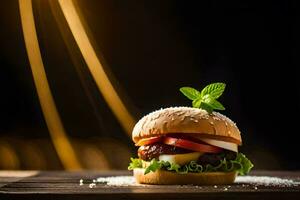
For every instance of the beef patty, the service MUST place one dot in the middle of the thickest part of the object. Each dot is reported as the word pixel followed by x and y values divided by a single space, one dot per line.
pixel 151 151
pixel 148 152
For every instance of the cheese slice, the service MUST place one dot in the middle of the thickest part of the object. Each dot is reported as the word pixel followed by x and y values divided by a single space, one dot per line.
pixel 181 159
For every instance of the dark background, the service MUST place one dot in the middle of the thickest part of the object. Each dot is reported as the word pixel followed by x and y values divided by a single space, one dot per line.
pixel 153 48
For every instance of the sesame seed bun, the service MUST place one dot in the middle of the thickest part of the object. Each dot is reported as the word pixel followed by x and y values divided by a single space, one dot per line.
pixel 162 177
pixel 189 121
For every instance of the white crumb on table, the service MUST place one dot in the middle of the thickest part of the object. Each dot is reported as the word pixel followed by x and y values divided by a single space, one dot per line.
pixel 81 182
pixel 92 185
pixel 266 181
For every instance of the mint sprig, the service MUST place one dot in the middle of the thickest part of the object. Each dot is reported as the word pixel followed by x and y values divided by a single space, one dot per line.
pixel 207 98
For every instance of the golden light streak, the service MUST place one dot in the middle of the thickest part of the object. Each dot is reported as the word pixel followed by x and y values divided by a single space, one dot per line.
pixel 8 157
pixel 102 81
pixel 60 140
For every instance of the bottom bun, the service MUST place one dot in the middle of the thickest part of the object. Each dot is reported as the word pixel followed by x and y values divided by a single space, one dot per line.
pixel 162 177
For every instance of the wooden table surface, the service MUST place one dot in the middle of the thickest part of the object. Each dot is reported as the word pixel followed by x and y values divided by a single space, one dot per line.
pixel 65 185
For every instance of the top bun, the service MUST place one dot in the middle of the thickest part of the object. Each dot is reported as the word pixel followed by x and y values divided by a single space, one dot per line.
pixel 189 121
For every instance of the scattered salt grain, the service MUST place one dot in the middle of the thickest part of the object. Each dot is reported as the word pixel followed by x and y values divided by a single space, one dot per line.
pixel 81 182
pixel 117 180
pixel 266 181
pixel 245 181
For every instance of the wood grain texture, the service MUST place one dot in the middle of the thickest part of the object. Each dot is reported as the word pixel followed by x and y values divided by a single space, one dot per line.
pixel 65 185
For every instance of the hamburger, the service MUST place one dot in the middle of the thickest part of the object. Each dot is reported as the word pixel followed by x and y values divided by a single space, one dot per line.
pixel 185 145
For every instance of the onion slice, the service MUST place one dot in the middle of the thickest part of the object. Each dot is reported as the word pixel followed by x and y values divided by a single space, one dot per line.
pixel 225 145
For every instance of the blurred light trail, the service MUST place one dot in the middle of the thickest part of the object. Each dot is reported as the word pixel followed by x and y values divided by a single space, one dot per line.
pixel 95 66
pixel 8 156
pixel 58 135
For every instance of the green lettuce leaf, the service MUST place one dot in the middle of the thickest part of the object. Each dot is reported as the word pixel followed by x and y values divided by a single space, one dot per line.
pixel 154 165
pixel 241 164
pixel 135 163
pixel 245 164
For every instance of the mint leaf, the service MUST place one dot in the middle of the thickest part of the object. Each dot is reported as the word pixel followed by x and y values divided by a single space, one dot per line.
pixel 207 102
pixel 190 93
pixel 215 90
pixel 207 98
pixel 197 103
pixel 216 105
pixel 207 107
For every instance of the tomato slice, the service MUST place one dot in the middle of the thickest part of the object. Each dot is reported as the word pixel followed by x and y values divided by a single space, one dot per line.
pixel 147 141
pixel 186 144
